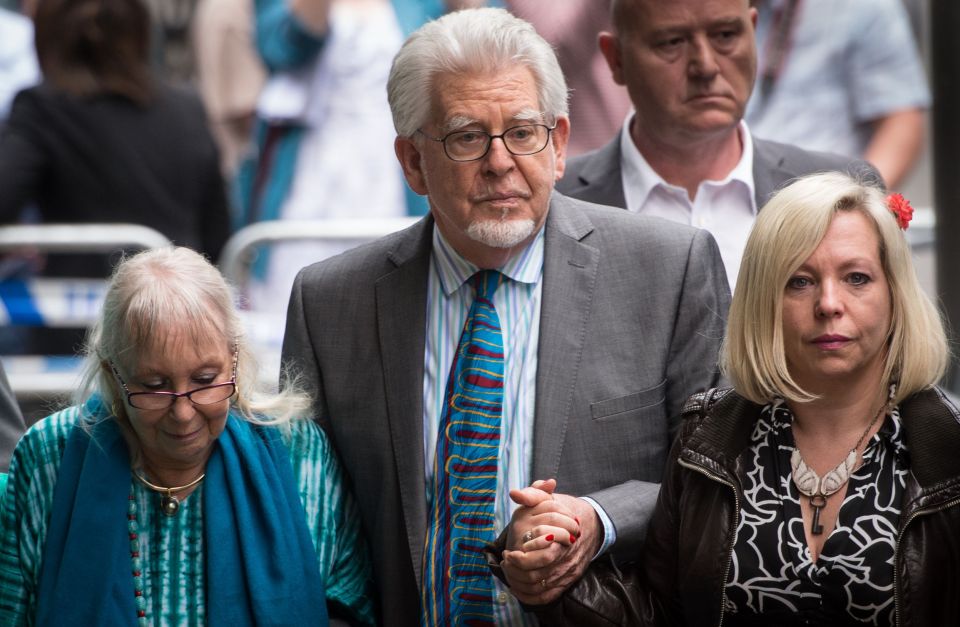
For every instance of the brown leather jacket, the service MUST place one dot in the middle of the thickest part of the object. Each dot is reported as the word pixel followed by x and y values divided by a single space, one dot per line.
pixel 679 579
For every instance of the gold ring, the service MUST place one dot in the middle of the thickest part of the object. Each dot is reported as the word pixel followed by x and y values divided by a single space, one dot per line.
pixel 527 537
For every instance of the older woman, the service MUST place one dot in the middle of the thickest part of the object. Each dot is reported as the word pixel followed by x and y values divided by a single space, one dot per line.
pixel 174 492
pixel 824 489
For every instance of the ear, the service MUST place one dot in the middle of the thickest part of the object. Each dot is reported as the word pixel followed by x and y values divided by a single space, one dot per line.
pixel 610 48
pixel 411 161
pixel 560 137
pixel 753 17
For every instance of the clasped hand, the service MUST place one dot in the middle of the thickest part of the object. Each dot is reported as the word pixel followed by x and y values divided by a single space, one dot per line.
pixel 550 542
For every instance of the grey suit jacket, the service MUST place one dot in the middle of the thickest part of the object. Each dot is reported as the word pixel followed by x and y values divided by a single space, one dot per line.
pixel 11 421
pixel 632 316
pixel 595 176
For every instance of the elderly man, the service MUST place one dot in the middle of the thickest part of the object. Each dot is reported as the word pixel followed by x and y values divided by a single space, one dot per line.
pixel 512 334
pixel 685 154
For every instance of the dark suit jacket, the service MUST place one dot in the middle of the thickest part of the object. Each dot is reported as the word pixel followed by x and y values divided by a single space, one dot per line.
pixel 595 176
pixel 631 320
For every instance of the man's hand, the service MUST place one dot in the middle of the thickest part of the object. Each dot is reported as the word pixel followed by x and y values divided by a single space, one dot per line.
pixel 551 540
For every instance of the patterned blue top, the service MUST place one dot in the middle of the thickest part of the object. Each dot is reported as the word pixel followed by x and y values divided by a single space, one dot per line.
pixel 172 548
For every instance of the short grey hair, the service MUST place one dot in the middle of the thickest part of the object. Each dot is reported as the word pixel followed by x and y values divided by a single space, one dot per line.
pixel 156 291
pixel 472 41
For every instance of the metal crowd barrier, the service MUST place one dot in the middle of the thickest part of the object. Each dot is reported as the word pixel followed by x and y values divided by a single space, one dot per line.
pixel 54 302
pixel 239 252
pixel 265 329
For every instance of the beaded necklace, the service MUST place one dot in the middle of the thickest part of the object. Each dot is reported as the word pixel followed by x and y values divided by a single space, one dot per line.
pixel 136 562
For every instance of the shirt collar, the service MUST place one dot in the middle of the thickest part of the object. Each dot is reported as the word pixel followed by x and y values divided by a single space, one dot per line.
pixel 453 270
pixel 636 168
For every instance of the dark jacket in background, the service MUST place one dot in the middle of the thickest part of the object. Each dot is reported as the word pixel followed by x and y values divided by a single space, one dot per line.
pixel 106 159
pixel 679 579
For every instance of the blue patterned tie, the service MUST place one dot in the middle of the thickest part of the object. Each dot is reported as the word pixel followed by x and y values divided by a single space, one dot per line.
pixel 458 587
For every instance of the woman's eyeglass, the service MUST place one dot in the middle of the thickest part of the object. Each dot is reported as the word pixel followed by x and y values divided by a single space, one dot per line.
pixel 205 395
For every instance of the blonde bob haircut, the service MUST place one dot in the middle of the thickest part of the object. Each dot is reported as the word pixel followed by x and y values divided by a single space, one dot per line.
pixel 787 231
pixel 163 293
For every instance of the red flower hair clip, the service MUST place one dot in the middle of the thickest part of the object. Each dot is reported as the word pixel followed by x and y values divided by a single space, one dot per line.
pixel 901 209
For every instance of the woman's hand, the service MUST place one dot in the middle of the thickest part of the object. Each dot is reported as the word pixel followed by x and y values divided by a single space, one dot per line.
pixel 551 540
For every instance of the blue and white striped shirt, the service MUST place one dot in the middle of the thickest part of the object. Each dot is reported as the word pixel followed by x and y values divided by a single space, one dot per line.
pixel 517 301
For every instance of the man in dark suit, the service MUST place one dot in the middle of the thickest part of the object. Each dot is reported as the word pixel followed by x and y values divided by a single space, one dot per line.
pixel 685 154
pixel 606 323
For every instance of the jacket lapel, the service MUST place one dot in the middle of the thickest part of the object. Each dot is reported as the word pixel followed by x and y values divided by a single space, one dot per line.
pixel 768 171
pixel 569 275
pixel 401 321
pixel 601 176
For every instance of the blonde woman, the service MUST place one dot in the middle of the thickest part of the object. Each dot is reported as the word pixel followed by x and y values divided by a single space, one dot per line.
pixel 824 488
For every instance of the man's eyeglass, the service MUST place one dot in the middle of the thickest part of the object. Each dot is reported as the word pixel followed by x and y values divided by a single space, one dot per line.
pixel 527 139
pixel 205 395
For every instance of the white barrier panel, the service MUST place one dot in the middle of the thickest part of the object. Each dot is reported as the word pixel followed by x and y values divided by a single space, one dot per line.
pixel 80 238
pixel 265 328
pixel 42 376
pixel 51 302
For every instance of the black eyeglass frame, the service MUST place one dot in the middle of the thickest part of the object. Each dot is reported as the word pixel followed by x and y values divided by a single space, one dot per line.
pixel 173 396
pixel 490 138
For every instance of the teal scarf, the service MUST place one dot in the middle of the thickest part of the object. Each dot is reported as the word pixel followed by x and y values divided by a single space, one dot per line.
pixel 265 567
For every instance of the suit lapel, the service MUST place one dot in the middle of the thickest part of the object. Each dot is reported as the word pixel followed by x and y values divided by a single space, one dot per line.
pixel 401 320
pixel 601 176
pixel 768 171
pixel 569 275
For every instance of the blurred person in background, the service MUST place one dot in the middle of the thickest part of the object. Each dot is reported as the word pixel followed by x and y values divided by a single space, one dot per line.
pixel 843 77
pixel 100 140
pixel 230 75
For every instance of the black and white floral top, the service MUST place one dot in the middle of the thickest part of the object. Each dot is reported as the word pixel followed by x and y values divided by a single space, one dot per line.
pixel 772 580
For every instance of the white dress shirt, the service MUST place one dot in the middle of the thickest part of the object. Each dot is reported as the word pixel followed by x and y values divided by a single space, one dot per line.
pixel 726 208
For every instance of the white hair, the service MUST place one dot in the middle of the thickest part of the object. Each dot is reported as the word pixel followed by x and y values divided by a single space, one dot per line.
pixel 149 295
pixel 471 42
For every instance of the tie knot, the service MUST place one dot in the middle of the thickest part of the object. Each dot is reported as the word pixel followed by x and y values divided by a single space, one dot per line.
pixel 486 282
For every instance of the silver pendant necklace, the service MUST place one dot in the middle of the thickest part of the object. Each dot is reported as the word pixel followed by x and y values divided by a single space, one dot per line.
pixel 817 488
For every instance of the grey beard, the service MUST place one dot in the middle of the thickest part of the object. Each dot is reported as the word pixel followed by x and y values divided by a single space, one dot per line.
pixel 500 233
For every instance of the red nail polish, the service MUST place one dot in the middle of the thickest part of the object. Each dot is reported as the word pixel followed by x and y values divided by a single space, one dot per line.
pixel 573 539
pixel 550 538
